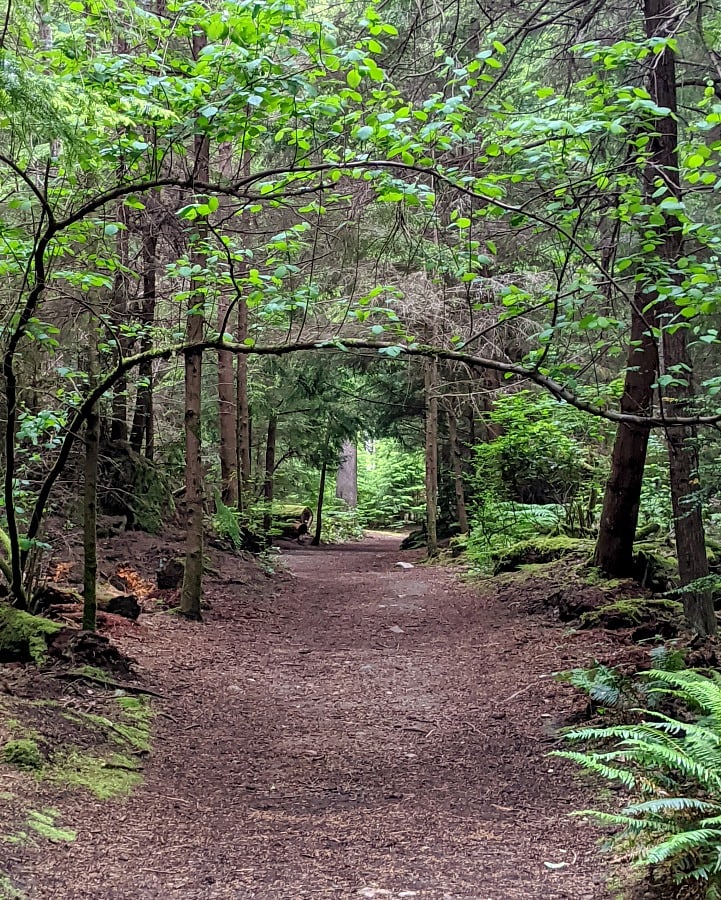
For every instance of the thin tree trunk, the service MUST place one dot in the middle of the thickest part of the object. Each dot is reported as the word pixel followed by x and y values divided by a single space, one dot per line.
pixel 143 426
pixel 269 472
pixel 227 396
pixel 622 497
pixel 92 441
pixel 243 407
pixel 227 422
pixel 346 485
pixel 431 392
pixel 243 436
pixel 678 397
pixel 190 596
pixel 119 417
pixel 319 508
pixel 461 512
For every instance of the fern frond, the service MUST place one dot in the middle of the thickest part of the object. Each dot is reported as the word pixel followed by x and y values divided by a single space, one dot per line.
pixel 685 843
pixel 671 804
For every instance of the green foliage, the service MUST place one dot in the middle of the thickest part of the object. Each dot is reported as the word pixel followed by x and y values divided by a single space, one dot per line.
pixel 42 823
pixel 226 522
pixel 629 611
pixel 672 767
pixel 608 688
pixel 498 525
pixel 546 452
pixel 391 486
pixel 538 476
pixel 340 525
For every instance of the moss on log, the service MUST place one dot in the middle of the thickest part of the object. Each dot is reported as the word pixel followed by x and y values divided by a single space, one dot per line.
pixel 23 637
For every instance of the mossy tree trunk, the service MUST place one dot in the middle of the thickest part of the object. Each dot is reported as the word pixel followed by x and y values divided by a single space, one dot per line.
pixel 90 493
pixel 679 393
pixel 191 592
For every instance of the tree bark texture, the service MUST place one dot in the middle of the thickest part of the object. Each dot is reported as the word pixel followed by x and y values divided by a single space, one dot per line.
pixel 269 472
pixel 243 436
pixel 622 497
pixel 677 397
pixel 346 485
pixel 456 463
pixel 227 422
pixel 119 417
pixel 90 493
pixel 190 596
pixel 431 398
pixel 319 508
pixel 143 425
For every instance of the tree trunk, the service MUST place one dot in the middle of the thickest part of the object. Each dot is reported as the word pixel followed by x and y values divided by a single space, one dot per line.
pixel 90 509
pixel 431 388
pixel 243 408
pixel 143 427
pixel 243 436
pixel 319 509
pixel 269 472
pixel 346 485
pixel 119 418
pixel 227 422
pixel 461 512
pixel 622 498
pixel 190 596
pixel 678 397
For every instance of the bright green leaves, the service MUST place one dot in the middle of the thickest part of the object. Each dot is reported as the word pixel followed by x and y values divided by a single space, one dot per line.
pixel 192 211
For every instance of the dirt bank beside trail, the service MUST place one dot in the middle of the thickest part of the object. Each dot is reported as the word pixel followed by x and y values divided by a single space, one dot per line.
pixel 356 731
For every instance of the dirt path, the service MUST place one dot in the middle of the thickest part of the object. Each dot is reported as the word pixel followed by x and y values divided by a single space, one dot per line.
pixel 368 731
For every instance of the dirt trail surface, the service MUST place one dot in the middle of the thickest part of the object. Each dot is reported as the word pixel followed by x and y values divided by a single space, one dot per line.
pixel 367 731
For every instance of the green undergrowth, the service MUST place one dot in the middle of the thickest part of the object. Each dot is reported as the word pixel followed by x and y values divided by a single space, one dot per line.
pixel 539 550
pixel 626 612
pixel 99 753
pixel 132 731
pixel 664 750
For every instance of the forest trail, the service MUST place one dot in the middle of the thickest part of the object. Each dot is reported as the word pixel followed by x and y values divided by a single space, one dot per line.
pixel 367 731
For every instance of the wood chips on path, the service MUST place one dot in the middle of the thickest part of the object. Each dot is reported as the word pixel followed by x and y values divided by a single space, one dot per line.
pixel 358 730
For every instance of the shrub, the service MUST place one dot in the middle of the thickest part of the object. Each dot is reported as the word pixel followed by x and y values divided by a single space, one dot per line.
pixel 671 765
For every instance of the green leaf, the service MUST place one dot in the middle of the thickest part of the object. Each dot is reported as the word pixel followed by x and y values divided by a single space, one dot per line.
pixel 354 78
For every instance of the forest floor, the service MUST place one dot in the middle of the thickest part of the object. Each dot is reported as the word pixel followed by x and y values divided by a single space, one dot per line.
pixel 349 729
